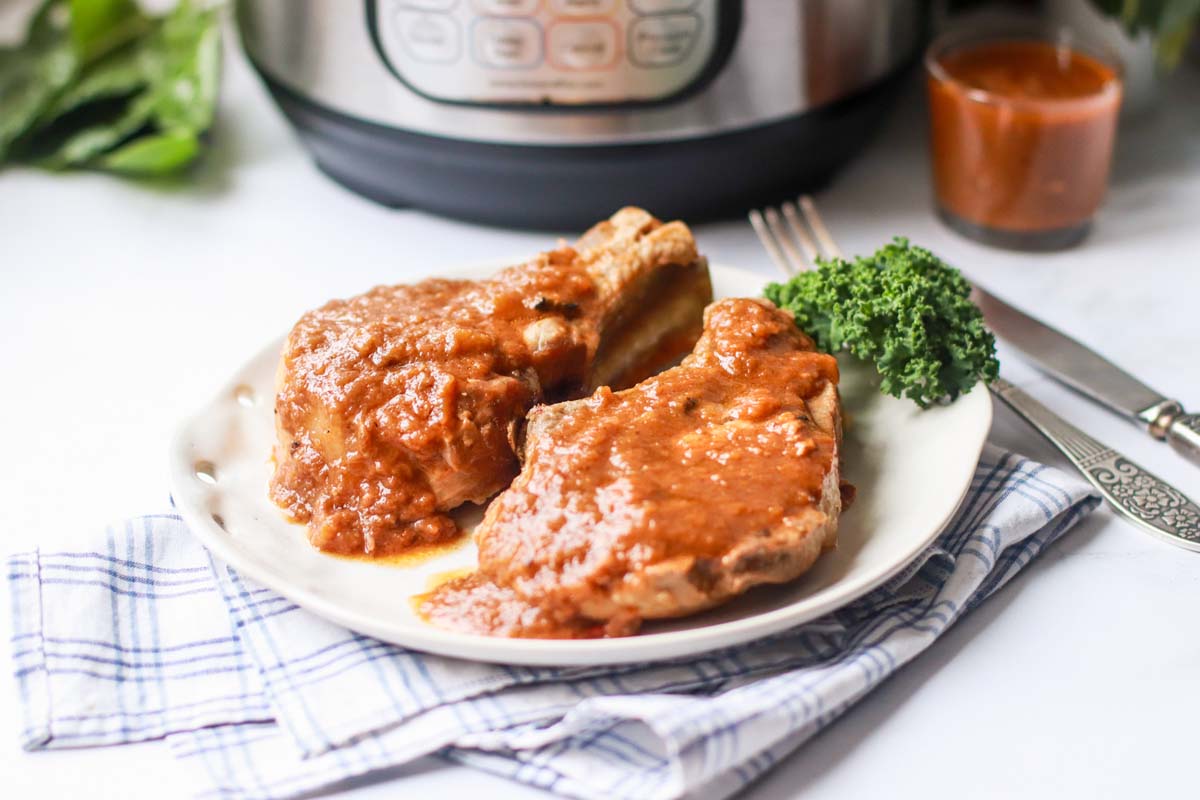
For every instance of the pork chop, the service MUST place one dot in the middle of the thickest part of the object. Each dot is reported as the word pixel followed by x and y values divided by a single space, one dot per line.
pixel 398 405
pixel 667 498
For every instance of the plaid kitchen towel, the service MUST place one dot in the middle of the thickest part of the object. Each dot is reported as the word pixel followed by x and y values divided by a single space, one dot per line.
pixel 143 636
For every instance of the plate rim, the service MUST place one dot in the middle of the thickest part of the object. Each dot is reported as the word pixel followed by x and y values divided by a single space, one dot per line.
pixel 527 652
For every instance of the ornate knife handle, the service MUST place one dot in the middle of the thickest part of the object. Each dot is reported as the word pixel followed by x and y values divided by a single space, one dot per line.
pixel 1184 435
pixel 1142 498
pixel 1182 431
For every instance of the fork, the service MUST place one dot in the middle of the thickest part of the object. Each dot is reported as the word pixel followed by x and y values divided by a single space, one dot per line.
pixel 795 236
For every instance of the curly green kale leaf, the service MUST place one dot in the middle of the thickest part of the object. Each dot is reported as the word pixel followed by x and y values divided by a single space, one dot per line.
pixel 902 308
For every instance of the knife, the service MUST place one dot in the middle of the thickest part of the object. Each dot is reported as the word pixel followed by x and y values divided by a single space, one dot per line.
pixel 1091 374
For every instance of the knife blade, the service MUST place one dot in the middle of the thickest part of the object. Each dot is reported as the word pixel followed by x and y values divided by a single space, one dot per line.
pixel 1090 373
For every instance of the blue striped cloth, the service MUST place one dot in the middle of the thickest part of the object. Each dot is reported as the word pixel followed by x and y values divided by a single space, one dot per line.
pixel 143 636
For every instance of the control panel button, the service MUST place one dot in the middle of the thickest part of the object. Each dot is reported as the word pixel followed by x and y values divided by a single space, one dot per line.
pixel 557 53
pixel 660 6
pixel 433 38
pixel 583 45
pixel 506 8
pixel 662 41
pixel 507 43
pixel 582 8
pixel 429 5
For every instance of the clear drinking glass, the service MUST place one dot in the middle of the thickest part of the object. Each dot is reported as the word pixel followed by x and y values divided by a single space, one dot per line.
pixel 1022 127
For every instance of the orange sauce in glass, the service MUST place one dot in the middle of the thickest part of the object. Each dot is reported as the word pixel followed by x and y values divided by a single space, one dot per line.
pixel 1022 133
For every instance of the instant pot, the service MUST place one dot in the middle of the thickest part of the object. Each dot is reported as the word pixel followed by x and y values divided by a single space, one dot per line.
pixel 552 113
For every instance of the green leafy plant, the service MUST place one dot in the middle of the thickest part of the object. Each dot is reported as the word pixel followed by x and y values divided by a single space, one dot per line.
pixel 99 84
pixel 902 308
pixel 1170 22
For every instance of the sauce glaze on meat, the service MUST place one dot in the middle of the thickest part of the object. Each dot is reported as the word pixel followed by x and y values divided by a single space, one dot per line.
pixel 666 498
pixel 400 404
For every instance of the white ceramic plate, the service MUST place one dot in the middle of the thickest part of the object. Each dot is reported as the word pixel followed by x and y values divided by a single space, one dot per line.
pixel 911 468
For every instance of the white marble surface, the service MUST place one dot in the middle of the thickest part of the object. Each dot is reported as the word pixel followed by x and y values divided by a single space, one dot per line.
pixel 122 305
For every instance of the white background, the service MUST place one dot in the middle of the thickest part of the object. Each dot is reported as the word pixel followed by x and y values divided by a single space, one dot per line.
pixel 122 306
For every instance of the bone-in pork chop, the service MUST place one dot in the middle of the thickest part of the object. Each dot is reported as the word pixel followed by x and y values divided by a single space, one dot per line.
pixel 398 405
pixel 666 498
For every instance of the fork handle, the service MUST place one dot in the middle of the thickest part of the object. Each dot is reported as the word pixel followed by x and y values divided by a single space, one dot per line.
pixel 1138 495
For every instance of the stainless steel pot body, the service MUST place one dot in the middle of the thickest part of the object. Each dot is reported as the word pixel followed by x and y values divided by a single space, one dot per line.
pixel 577 72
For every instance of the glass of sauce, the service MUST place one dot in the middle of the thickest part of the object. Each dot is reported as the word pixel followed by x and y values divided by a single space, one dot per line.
pixel 1022 127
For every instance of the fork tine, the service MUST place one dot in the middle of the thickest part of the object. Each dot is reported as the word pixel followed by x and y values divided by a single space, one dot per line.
pixel 818 225
pixel 795 260
pixel 800 231
pixel 768 241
